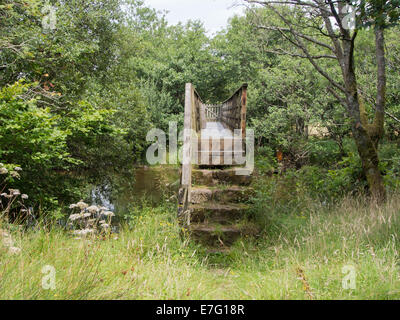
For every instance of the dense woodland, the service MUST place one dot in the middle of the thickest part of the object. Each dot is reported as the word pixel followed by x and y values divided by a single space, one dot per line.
pixel 77 101
pixel 76 104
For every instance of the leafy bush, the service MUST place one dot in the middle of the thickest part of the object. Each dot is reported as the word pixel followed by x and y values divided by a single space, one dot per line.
pixel 323 152
pixel 31 138
pixel 331 184
pixel 265 159
pixel 389 154
pixel 45 146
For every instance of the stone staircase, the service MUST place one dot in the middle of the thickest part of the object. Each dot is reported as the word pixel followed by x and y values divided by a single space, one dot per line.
pixel 219 207
pixel 214 201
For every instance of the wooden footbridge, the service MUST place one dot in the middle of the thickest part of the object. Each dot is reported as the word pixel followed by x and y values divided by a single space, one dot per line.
pixel 214 195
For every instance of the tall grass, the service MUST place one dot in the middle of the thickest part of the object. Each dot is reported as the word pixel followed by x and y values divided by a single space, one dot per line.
pixel 299 255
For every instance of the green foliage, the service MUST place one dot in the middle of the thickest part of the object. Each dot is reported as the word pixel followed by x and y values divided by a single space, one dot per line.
pixel 42 143
pixel 64 126
pixel 323 152
pixel 344 178
pixel 160 106
pixel 111 70
pixel 30 137
pixel 389 154
pixel 266 160
pixel 323 178
pixel 347 179
pixel 377 12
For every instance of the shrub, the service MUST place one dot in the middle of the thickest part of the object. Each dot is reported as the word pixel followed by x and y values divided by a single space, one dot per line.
pixel 30 138
pixel 323 152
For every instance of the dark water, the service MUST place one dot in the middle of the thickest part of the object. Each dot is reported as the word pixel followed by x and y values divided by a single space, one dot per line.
pixel 150 185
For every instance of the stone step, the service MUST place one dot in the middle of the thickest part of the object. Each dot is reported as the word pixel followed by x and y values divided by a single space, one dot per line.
pixel 216 235
pixel 217 212
pixel 219 176
pixel 222 194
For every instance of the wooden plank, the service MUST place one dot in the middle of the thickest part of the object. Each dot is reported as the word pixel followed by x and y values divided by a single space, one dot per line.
pixel 203 118
pixel 243 111
pixel 187 146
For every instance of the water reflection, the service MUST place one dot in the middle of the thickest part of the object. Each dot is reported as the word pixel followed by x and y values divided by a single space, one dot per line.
pixel 150 184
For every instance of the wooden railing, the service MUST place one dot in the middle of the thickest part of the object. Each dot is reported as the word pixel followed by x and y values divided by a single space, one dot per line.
pixel 213 112
pixel 232 113
pixel 233 110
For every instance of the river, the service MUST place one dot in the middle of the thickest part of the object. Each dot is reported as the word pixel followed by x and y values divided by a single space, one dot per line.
pixel 148 184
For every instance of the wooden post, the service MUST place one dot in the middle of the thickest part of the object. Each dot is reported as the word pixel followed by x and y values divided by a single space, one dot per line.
pixel 186 182
pixel 243 110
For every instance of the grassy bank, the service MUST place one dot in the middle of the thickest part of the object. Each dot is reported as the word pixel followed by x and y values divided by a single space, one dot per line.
pixel 299 256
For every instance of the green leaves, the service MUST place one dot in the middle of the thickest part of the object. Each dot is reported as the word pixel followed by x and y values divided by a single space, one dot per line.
pixel 381 13
pixel 28 133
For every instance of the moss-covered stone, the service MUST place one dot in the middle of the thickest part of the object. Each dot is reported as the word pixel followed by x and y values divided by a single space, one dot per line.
pixel 217 235
pixel 219 176
pixel 222 194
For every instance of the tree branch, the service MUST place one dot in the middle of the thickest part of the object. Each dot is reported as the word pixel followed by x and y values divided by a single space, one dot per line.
pixel 337 96
pixel 301 35
pixel 298 43
pixel 282 52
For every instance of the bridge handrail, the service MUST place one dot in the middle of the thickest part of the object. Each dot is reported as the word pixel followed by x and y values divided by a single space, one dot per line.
pixel 243 86
pixel 232 114
pixel 234 110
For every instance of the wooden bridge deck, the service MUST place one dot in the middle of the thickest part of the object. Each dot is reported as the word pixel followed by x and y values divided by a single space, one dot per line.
pixel 215 130
pixel 214 201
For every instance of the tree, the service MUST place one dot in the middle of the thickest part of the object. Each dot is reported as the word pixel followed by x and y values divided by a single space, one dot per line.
pixel 319 30
pixel 287 100
pixel 57 120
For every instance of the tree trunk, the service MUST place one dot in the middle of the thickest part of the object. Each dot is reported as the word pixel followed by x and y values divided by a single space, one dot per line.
pixel 370 162
pixel 367 136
